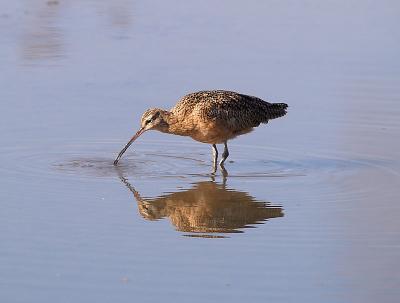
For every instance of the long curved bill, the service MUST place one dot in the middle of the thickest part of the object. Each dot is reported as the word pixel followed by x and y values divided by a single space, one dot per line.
pixel 137 135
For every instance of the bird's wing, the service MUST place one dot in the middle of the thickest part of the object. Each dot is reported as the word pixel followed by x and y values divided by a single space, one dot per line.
pixel 229 109
pixel 239 112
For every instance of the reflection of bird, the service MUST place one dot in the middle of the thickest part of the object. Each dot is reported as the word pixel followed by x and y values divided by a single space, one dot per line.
pixel 210 117
pixel 207 207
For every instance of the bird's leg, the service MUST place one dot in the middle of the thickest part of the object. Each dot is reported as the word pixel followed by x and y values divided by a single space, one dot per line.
pixel 224 174
pixel 215 157
pixel 225 154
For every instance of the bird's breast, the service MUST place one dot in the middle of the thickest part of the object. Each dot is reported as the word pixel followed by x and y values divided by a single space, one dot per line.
pixel 214 133
pixel 211 131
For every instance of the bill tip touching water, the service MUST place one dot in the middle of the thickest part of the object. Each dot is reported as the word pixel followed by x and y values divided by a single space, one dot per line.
pixel 212 117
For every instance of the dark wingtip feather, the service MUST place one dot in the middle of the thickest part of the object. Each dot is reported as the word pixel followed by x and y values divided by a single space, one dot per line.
pixel 277 110
pixel 280 105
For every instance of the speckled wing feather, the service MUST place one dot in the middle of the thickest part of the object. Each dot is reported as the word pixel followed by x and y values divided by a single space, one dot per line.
pixel 233 110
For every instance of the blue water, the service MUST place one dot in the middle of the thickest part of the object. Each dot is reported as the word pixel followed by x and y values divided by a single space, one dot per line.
pixel 309 209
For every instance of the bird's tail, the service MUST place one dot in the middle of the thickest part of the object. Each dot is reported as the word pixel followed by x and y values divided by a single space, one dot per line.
pixel 276 110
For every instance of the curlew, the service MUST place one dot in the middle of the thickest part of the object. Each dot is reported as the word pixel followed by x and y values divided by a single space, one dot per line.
pixel 212 117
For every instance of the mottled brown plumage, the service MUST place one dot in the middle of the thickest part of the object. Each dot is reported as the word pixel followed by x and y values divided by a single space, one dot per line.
pixel 212 117
pixel 207 207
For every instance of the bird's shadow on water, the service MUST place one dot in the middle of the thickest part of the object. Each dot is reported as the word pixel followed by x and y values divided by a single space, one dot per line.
pixel 208 209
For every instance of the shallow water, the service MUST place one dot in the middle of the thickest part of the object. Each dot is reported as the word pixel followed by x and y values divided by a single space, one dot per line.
pixel 308 210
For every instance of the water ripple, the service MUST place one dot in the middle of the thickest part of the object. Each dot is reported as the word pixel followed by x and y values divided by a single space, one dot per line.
pixel 156 159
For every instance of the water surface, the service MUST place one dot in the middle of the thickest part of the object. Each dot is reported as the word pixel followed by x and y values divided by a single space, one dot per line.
pixel 309 208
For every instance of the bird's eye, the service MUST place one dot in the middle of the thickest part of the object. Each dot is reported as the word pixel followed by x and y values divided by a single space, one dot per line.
pixel 148 121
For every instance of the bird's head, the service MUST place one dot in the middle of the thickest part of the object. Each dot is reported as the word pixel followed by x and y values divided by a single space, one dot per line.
pixel 153 118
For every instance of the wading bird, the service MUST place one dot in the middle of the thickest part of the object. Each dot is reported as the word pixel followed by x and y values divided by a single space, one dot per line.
pixel 212 117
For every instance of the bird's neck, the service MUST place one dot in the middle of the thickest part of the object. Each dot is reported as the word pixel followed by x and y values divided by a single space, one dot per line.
pixel 175 126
